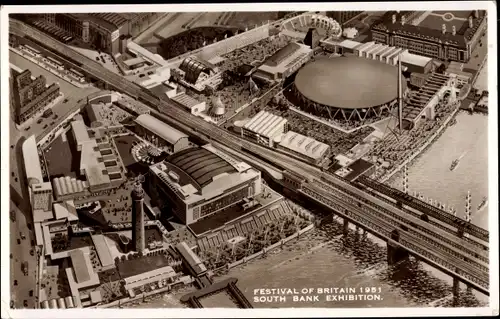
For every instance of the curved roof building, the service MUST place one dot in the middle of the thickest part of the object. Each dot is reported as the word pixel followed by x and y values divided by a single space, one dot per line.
pixel 200 181
pixel 159 128
pixel 192 69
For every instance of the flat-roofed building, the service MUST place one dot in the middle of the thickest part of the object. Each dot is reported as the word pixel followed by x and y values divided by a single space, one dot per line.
pixel 160 134
pixel 81 274
pixel 284 62
pixel 189 103
pixel 40 192
pixel 264 127
pixel 163 275
pixel 201 181
pixel 91 161
pixel 99 164
pixel 304 147
pixel 416 63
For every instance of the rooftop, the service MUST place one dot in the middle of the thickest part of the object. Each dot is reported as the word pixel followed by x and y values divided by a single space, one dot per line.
pixel 425 32
pixel 199 172
pixel 285 58
pixel 82 271
pixel 31 161
pixel 66 209
pixel 414 59
pixel 304 145
pixel 159 128
pixel 186 100
pixel 265 123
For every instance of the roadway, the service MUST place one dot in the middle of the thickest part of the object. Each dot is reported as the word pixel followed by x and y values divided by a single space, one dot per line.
pixel 173 115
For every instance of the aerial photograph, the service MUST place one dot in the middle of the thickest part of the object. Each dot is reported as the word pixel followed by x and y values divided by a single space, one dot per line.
pixel 281 159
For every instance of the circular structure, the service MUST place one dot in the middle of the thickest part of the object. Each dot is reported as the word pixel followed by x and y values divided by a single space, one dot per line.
pixel 448 16
pixel 344 87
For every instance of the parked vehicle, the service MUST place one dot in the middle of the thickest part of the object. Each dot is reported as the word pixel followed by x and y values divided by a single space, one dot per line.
pixel 24 268
pixel 39 121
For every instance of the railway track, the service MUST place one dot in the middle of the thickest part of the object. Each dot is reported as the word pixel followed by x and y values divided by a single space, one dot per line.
pixel 426 208
pixel 426 231
pixel 382 229
pixel 171 114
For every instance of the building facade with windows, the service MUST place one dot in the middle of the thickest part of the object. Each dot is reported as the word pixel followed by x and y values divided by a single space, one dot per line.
pixel 29 96
pixel 202 181
pixel 444 41
pixel 102 30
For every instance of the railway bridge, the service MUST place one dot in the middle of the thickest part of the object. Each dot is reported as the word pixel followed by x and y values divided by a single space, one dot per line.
pixel 398 223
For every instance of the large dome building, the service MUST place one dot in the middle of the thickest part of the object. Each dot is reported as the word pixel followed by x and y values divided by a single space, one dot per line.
pixel 347 88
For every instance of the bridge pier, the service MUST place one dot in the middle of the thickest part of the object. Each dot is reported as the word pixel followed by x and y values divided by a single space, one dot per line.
pixel 346 227
pixel 395 253
pixel 456 291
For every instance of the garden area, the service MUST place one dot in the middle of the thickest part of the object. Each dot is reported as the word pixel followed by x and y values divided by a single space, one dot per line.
pixel 62 242
pixel 193 39
pixel 271 233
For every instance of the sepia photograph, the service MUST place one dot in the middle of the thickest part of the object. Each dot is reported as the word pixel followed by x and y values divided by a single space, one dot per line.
pixel 167 158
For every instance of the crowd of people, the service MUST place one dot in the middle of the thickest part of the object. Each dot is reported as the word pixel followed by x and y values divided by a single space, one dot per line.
pixel 193 39
pixel 339 141
pixel 256 52
pixel 395 149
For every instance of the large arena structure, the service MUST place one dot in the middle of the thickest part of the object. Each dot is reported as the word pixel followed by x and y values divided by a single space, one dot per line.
pixel 347 88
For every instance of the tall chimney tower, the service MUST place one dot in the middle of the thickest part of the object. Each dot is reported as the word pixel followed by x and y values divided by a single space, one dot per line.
pixel 443 28
pixel 403 20
pixel 393 18
pixel 138 218
pixel 400 94
pixel 471 22
pixel 476 14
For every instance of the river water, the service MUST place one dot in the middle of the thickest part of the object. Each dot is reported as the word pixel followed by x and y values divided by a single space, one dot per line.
pixel 324 259
pixel 430 175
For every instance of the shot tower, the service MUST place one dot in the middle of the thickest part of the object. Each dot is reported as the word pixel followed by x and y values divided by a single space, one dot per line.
pixel 138 217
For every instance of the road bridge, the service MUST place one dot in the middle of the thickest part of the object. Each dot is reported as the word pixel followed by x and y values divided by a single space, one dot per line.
pixel 430 243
